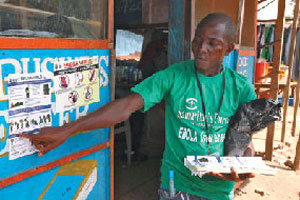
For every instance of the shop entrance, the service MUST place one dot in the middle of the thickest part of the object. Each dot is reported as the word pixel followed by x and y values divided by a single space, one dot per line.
pixel 139 141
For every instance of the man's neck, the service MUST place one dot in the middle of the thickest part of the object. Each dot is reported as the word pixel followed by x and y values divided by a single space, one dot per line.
pixel 211 72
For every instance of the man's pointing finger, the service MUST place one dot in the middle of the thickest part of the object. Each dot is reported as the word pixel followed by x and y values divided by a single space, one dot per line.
pixel 32 137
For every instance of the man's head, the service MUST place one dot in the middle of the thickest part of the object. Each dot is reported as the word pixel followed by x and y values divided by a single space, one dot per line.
pixel 214 39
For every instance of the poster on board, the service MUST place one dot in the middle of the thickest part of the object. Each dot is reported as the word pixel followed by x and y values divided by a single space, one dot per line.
pixel 76 83
pixel 29 109
pixel 61 181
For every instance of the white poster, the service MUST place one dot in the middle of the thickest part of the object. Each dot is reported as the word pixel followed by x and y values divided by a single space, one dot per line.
pixel 76 83
pixel 29 109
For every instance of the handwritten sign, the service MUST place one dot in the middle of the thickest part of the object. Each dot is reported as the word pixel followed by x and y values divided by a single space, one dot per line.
pixel 246 66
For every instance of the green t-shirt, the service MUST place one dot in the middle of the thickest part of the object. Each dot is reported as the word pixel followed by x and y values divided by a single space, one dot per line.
pixel 185 125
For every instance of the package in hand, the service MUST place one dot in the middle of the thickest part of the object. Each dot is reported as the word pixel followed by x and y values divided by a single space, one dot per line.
pixel 249 118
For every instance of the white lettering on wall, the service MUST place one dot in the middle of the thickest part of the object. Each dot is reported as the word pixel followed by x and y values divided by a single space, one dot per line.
pixel 103 80
pixel 25 65
pixel 82 113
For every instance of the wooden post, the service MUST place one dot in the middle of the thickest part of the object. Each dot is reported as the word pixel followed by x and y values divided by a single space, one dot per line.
pixel 291 63
pixel 112 129
pixel 275 72
pixel 296 106
pixel 112 90
pixel 240 21
pixel 297 157
pixel 111 21
pixel 238 30
pixel 213 5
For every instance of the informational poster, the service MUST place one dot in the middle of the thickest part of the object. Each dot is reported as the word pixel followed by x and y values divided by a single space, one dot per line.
pixel 76 83
pixel 29 109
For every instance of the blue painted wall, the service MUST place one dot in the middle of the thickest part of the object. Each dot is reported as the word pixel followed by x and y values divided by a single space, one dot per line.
pixel 63 187
pixel 15 61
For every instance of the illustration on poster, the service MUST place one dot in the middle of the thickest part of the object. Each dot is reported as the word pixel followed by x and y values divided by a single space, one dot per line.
pixel 88 91
pixel 27 92
pixel 73 96
pixel 64 81
pixel 16 104
pixel 92 75
pixel 20 66
pixel 78 78
pixel 46 89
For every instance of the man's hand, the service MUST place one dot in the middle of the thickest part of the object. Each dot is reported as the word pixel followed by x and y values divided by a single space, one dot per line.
pixel 234 176
pixel 48 138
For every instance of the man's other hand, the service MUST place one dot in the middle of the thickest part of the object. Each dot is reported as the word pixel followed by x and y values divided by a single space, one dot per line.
pixel 234 176
pixel 47 139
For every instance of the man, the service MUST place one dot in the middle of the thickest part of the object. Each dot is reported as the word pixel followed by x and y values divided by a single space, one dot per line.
pixel 200 97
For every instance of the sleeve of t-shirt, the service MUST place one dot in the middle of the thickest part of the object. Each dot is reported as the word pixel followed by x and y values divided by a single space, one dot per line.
pixel 247 94
pixel 154 88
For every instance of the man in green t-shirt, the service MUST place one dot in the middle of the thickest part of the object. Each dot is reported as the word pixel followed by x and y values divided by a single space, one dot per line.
pixel 200 96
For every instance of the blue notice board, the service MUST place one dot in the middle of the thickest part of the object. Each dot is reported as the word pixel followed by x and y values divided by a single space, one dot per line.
pixel 85 178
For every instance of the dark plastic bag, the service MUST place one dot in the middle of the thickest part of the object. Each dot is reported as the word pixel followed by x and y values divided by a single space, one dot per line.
pixel 249 118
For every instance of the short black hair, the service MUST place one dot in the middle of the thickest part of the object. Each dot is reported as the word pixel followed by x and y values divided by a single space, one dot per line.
pixel 221 18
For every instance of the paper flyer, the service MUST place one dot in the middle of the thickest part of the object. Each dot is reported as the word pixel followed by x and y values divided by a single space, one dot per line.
pixel 76 83
pixel 29 109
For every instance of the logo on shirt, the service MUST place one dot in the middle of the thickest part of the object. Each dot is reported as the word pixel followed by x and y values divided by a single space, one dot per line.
pixel 191 103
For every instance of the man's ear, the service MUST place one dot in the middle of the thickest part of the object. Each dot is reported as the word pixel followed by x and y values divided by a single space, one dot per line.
pixel 230 47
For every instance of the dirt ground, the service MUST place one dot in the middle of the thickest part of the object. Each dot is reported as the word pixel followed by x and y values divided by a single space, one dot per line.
pixel 286 183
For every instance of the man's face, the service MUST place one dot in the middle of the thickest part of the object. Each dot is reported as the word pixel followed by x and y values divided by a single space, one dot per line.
pixel 210 46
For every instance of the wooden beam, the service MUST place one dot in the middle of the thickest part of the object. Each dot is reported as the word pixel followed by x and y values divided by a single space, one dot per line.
pixel 275 73
pixel 291 64
pixel 213 5
pixel 112 133
pixel 112 90
pixel 240 21
pixel 238 31
pixel 261 1
pixel 110 20
pixel 297 157
pixel 296 106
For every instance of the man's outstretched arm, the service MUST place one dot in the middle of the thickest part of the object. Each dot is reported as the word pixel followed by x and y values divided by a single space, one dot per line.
pixel 108 115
